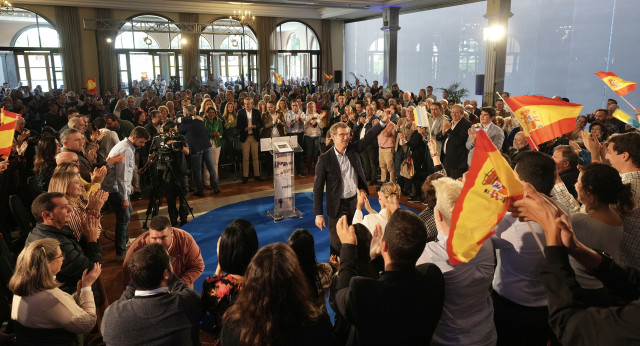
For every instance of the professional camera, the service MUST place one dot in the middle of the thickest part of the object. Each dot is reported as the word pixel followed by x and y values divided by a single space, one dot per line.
pixel 163 151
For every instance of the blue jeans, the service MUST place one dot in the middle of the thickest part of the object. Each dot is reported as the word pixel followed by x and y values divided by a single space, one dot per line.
pixel 196 167
pixel 122 221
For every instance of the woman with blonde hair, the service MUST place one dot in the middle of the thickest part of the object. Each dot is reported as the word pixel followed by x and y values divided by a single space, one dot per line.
pixel 70 184
pixel 44 314
pixel 206 103
pixel 262 106
pixel 388 196
pixel 282 106
pixel 120 106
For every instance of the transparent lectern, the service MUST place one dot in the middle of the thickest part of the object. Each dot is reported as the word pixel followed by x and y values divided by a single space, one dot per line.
pixel 282 149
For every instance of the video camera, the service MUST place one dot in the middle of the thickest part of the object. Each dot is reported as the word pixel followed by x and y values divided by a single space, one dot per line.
pixel 162 150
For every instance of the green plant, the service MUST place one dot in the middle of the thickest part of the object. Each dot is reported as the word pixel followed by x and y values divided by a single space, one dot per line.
pixel 455 91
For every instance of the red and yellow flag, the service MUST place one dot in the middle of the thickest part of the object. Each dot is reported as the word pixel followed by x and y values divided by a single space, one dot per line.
pixel 7 128
pixel 543 118
pixel 327 76
pixel 278 78
pixel 617 84
pixel 489 186
pixel 92 87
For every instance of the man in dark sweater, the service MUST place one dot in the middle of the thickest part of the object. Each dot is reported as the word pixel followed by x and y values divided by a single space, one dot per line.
pixel 192 127
pixel 156 308
pixel 403 306
pixel 52 213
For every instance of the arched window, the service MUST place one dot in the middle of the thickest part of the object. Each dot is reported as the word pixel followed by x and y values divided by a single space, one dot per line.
pixel 147 46
pixel 376 57
pixel 33 43
pixel 233 54
pixel 298 51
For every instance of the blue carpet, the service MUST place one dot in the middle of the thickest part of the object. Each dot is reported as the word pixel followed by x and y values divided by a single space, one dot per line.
pixel 207 228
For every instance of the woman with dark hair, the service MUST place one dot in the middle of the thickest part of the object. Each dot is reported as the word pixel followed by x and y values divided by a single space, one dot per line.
pixel 605 199
pixel 236 246
pixel 318 274
pixel 274 306
pixel 598 131
pixel 427 215
pixel 140 117
pixel 44 314
pixel 45 162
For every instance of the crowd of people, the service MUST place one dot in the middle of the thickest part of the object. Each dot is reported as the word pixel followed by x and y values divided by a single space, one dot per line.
pixel 389 281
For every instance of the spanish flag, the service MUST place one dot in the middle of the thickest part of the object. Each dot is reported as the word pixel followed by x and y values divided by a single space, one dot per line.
pixel 420 116
pixel 489 186
pixel 626 118
pixel 278 78
pixel 543 118
pixel 7 128
pixel 92 87
pixel 327 76
pixel 617 84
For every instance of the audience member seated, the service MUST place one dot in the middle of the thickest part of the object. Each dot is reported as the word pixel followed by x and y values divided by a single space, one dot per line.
pixel 318 274
pixel 45 162
pixel 566 160
pixel 156 308
pixel 408 300
pixel 467 316
pixel 52 213
pixel 44 314
pixel 186 259
pixel 388 196
pixel 236 246
pixel 274 305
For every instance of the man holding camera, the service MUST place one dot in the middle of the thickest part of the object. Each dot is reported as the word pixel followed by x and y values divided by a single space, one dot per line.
pixel 171 167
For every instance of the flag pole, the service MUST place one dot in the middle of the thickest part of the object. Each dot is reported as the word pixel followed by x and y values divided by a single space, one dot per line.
pixel 629 103
pixel 524 129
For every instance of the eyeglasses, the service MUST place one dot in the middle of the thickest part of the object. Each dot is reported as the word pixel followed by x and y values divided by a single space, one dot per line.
pixel 55 258
pixel 343 135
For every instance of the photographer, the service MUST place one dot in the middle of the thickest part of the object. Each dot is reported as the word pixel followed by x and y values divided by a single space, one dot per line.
pixel 171 167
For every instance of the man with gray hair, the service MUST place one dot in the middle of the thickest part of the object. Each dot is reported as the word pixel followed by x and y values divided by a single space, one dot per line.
pixel 454 138
pixel 467 316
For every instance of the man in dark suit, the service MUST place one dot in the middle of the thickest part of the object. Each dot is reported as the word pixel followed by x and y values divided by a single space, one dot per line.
pixel 249 129
pixel 412 296
pixel 454 137
pixel 341 169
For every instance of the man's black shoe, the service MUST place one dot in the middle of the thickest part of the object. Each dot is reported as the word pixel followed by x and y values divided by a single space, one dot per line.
pixel 245 180
pixel 259 178
pixel 136 196
pixel 199 194
pixel 216 191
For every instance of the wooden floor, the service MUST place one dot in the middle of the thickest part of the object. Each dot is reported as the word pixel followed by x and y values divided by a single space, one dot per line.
pixel 232 191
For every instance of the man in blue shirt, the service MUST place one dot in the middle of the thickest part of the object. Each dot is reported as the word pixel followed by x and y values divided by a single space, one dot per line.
pixel 118 184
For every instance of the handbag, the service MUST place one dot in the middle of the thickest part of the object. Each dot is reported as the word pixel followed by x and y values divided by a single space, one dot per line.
pixel 407 170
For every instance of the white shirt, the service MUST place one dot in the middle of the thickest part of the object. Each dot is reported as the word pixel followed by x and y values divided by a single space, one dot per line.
pixel 371 220
pixel 348 174
pixel 467 315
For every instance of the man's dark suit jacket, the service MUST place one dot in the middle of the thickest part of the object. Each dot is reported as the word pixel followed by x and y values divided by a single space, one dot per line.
pixel 243 122
pixel 328 170
pixel 402 307
pixel 456 157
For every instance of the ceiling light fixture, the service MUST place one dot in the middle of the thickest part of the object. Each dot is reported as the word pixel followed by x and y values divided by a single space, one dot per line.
pixel 6 7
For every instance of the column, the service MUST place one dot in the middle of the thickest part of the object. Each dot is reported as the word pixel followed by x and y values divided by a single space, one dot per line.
pixel 390 26
pixel 498 14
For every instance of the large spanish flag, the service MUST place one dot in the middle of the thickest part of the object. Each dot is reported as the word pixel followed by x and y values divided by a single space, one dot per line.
pixel 278 78
pixel 7 128
pixel 92 87
pixel 543 118
pixel 489 186
pixel 617 84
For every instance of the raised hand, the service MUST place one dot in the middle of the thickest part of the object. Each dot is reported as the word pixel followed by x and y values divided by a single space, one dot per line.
pixel 346 233
pixel 335 262
pixel 89 277
pixel 116 159
pixel 97 199
pixel 91 227
pixel 446 126
pixel 98 175
pixel 376 242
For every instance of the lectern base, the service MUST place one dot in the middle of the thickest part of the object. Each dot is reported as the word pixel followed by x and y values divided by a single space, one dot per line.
pixel 277 216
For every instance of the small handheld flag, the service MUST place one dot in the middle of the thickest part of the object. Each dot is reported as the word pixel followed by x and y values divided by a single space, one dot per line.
pixel 420 116
pixel 490 185
pixel 278 78
pixel 327 76
pixel 543 118
pixel 617 84
pixel 7 128
pixel 626 118
pixel 92 87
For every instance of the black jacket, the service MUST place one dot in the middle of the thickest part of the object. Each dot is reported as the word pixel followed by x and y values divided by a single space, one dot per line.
pixel 77 257
pixel 243 122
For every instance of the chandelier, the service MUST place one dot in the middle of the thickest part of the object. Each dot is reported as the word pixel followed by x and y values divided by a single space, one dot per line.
pixel 243 17
pixel 6 7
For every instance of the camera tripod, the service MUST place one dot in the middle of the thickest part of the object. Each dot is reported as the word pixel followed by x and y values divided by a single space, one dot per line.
pixel 163 171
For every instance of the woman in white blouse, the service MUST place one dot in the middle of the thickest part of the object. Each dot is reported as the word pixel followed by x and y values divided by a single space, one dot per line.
pixel 44 314
pixel 388 198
